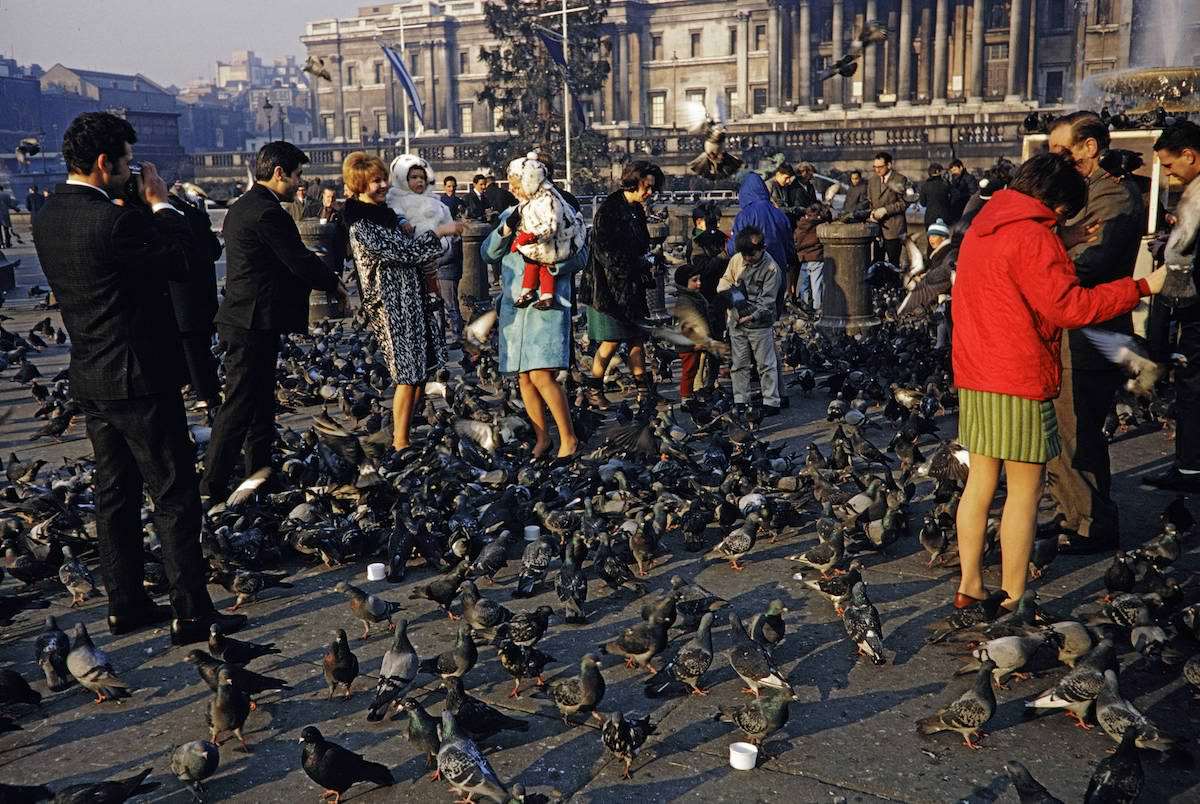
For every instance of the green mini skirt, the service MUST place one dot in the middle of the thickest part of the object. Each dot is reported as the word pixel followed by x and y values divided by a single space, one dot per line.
pixel 1007 427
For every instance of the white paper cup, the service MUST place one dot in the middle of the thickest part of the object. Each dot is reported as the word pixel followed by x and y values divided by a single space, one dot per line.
pixel 532 532
pixel 376 572
pixel 743 756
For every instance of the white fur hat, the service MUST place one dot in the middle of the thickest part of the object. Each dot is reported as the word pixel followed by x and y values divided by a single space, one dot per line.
pixel 406 162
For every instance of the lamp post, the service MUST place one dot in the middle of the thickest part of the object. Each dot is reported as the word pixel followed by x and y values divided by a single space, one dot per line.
pixel 282 135
pixel 267 107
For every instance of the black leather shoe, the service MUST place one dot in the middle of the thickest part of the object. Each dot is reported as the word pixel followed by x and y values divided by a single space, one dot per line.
pixel 185 632
pixel 1173 480
pixel 143 616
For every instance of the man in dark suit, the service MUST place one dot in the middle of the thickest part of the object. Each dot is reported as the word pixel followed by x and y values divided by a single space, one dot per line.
pixel 496 199
pixel 195 303
pixel 885 197
pixel 935 197
pixel 474 199
pixel 269 274
pixel 109 266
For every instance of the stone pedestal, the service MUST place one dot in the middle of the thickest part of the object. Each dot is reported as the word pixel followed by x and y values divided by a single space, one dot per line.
pixel 319 238
pixel 846 302
pixel 474 284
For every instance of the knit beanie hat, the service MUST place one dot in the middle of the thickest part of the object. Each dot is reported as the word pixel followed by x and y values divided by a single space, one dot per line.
pixel 939 228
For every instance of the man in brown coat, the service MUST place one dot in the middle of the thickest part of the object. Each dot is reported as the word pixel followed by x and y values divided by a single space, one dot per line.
pixel 885 196
pixel 1080 478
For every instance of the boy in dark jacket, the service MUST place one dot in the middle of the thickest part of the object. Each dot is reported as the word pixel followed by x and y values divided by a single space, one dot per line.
pixel 810 255
pixel 687 291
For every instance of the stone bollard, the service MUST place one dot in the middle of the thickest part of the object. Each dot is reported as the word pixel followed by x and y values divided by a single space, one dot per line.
pixel 319 238
pixel 846 301
pixel 474 284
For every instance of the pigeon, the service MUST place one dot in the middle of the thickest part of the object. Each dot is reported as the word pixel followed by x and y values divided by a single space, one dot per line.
pixel 337 769
pixel 837 588
pixel 1118 779
pixel 194 762
pixel 760 718
pixel 247 585
pixel 396 673
pixel 478 719
pixel 968 713
pixel 580 694
pixel 422 732
pixel 521 662
pixel 228 709
pixel 1009 653
pixel 235 651
pixel 91 668
pixel 14 689
pixel 571 589
pixel 968 617
pixel 464 766
pixel 535 562
pixel 639 644
pixel 1076 691
pixel 7 724
pixel 738 543
pixel 527 627
pixel 244 680
pixel 52 648
pixel 340 664
pixel 1115 715
pixel 78 579
pixel 481 614
pixel 443 590
pixel 368 608
pixel 825 556
pixel 1029 789
pixel 1120 576
pixel 457 661
pixel 623 736
pixel 315 67
pixel 752 663
pixel 116 791
pixel 22 793
pixel 862 624
pixel 690 663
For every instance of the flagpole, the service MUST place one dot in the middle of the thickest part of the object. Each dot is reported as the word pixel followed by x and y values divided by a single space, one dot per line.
pixel 566 98
pixel 407 100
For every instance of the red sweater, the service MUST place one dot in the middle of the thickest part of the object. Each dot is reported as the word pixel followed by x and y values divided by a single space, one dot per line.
pixel 1014 292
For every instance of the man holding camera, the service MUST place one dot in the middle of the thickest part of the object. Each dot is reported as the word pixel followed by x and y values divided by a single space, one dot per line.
pixel 109 266
pixel 269 275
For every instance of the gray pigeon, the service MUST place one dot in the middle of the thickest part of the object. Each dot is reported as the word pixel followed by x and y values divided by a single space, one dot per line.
pixel 1009 653
pixel 1029 789
pixel 78 579
pixel 690 663
pixel 368 608
pixel 464 766
pixel 752 663
pixel 1116 715
pixel 53 647
pixel 228 709
pixel 396 674
pixel 194 762
pixel 1078 688
pixel 91 668
pixel 862 624
pixel 582 693
pixel 1118 779
pixel 968 713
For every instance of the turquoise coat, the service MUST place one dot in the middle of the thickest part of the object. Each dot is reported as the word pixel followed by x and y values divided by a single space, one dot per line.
pixel 531 338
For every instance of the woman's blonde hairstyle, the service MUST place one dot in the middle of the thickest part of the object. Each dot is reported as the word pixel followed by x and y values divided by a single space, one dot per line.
pixel 359 169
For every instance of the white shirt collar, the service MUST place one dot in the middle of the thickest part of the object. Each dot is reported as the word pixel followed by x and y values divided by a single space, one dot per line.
pixel 79 183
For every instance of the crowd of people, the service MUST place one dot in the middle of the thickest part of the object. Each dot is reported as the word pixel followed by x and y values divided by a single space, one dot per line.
pixel 1024 259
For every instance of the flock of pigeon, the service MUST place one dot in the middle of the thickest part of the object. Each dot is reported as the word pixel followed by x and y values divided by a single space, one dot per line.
pixel 684 484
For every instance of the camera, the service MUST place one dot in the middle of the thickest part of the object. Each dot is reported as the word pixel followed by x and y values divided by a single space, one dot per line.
pixel 130 193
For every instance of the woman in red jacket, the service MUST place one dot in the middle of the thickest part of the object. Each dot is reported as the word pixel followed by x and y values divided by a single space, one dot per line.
pixel 1014 293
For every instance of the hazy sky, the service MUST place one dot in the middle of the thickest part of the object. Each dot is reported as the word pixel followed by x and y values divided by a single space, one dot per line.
pixel 170 41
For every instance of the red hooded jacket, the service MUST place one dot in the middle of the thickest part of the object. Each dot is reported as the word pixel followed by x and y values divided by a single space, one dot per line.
pixel 1014 292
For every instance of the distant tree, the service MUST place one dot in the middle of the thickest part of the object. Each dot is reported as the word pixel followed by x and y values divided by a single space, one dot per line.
pixel 527 86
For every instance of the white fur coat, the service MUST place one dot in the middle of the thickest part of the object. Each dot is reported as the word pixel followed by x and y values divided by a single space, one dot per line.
pixel 559 229
pixel 426 211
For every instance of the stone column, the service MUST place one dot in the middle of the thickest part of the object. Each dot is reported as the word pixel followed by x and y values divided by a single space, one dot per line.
pixel 429 99
pixel 892 54
pixel 610 108
pixel 846 303
pixel 977 40
pixel 743 64
pixel 870 60
pixel 625 79
pixel 941 30
pixel 339 102
pixel 474 282
pixel 794 56
pixel 775 54
pixel 924 61
pixel 449 80
pixel 904 43
pixel 1016 50
pixel 804 56
pixel 840 85
pixel 636 95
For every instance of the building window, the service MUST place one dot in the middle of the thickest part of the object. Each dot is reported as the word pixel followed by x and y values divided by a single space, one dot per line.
pixel 998 13
pixel 1104 12
pixel 760 37
pixel 656 47
pixel 413 64
pixel 353 131
pixel 998 52
pixel 696 96
pixel 464 62
pixel 733 36
pixel 658 109
pixel 731 103
pixel 694 44
pixel 381 123
pixel 498 118
pixel 326 132
pixel 760 100
pixel 1054 86
pixel 1056 14
pixel 466 118
pixel 351 74
pixel 378 67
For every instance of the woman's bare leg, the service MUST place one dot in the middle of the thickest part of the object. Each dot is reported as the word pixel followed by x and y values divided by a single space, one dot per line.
pixel 604 353
pixel 556 399
pixel 1018 524
pixel 402 408
pixel 637 360
pixel 972 519
pixel 536 410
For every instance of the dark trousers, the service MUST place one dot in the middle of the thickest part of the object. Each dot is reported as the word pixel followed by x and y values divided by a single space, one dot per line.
pixel 245 422
pixel 202 366
pixel 1080 478
pixel 891 249
pixel 1178 331
pixel 6 235
pixel 143 443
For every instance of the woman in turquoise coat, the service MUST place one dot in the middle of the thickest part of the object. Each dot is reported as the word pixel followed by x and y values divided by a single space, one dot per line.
pixel 535 344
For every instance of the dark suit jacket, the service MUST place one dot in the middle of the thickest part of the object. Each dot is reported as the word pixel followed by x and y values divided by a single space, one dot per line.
pixel 890 196
pixel 474 205
pixel 856 197
pixel 935 197
pixel 195 298
pixel 108 267
pixel 269 271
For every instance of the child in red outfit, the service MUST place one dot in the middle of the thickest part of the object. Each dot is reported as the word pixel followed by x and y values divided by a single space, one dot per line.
pixel 537 275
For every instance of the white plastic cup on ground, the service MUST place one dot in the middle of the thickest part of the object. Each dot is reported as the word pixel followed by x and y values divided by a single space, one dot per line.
pixel 743 756
pixel 376 572
pixel 532 532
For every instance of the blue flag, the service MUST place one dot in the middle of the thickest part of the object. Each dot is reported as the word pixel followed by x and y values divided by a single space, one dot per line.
pixel 554 45
pixel 405 81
